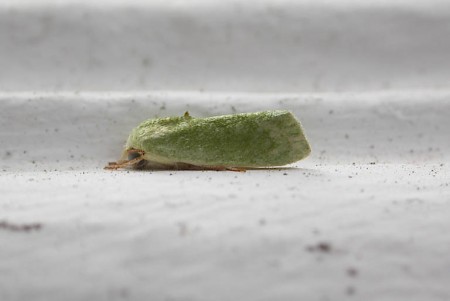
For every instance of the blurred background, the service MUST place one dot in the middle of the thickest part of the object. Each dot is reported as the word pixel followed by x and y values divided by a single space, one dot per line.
pixel 212 45
pixel 365 217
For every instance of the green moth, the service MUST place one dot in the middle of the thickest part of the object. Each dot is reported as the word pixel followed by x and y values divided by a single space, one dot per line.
pixel 228 142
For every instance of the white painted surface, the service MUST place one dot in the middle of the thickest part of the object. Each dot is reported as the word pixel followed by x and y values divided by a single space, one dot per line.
pixel 366 217
pixel 227 236
pixel 376 190
pixel 79 130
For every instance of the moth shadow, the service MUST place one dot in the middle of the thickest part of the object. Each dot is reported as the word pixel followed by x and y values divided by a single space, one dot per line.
pixel 146 168
pixel 296 170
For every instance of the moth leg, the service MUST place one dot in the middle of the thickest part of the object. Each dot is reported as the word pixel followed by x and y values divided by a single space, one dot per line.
pixel 123 163
pixel 136 155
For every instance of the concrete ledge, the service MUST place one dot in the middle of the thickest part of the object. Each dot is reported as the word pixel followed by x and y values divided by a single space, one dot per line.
pixel 80 130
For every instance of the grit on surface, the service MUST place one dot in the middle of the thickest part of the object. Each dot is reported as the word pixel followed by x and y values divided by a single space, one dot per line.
pixel 365 217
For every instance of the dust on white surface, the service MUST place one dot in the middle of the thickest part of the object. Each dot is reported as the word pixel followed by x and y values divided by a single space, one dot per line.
pixel 317 232
pixel 77 130
pixel 365 217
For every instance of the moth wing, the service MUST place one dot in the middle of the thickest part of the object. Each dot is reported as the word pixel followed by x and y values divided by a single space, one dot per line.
pixel 271 138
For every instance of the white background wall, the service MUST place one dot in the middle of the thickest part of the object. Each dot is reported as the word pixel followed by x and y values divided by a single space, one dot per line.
pixel 253 46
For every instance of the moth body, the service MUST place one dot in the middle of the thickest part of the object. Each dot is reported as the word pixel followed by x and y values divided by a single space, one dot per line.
pixel 249 140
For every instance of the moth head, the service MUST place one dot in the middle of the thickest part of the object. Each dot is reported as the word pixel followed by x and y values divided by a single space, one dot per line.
pixel 134 153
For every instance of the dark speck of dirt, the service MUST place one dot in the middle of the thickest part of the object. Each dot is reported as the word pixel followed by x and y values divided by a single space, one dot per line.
pixel 20 227
pixel 146 62
pixel 8 154
pixel 352 272
pixel 350 290
pixel 285 174
pixel 316 231
pixel 322 247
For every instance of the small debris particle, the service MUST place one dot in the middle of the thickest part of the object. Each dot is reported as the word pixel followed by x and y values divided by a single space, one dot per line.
pixel 20 227
pixel 323 247
pixel 352 272
pixel 285 174
pixel 346 136
pixel 350 290
pixel 146 62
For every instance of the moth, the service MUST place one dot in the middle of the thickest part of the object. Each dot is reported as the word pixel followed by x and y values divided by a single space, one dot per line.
pixel 228 142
